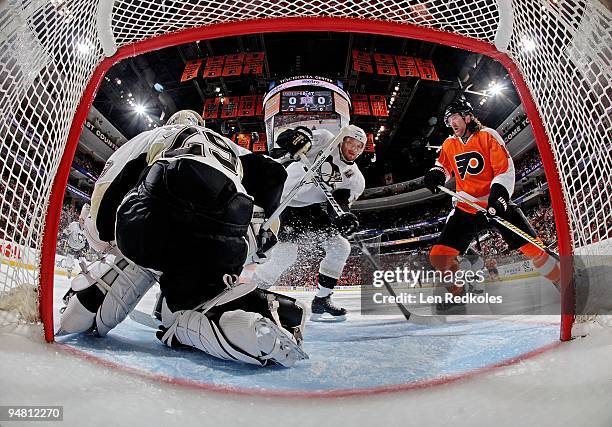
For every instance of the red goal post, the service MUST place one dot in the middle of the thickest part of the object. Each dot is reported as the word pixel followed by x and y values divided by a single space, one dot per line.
pixel 119 29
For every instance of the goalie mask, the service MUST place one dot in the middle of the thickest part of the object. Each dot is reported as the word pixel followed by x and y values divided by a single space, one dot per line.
pixel 186 117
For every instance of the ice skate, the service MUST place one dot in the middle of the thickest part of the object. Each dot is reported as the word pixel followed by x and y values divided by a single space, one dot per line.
pixel 324 310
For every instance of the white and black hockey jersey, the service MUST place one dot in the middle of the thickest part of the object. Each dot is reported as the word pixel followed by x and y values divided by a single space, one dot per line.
pixel 124 168
pixel 156 143
pixel 336 173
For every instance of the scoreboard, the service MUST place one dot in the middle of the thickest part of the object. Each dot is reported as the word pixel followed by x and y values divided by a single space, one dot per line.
pixel 307 101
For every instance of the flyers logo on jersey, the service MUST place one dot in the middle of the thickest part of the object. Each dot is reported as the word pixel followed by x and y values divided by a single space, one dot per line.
pixel 471 163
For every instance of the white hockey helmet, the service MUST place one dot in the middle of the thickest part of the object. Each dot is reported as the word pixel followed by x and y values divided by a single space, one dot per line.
pixel 185 117
pixel 357 133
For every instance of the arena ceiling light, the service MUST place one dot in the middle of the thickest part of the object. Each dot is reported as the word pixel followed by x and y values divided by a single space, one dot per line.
pixel 495 88
pixel 140 109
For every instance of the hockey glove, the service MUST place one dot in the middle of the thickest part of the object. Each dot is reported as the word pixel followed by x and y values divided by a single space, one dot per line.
pixel 499 200
pixel 434 177
pixel 266 240
pixel 342 196
pixel 346 224
pixel 296 141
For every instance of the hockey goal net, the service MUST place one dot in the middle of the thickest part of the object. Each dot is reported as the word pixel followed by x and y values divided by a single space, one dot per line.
pixel 53 55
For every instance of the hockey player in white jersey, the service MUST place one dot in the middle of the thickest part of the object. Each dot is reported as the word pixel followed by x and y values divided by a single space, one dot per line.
pixel 74 236
pixel 75 240
pixel 306 220
pixel 184 222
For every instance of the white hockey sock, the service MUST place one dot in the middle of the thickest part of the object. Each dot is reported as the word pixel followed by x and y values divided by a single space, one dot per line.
pixel 323 292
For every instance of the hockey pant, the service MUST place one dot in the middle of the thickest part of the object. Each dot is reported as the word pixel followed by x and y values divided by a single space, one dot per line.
pixel 257 328
pixel 104 294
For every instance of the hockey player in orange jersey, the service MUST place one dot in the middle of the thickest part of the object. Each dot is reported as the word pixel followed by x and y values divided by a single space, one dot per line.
pixel 484 173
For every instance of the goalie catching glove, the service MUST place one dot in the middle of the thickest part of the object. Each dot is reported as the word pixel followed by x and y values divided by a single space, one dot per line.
pixel 296 141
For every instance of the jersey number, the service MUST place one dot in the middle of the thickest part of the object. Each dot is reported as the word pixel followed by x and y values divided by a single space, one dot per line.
pixel 185 144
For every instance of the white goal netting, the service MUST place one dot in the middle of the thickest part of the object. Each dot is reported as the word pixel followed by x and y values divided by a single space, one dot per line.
pixel 49 51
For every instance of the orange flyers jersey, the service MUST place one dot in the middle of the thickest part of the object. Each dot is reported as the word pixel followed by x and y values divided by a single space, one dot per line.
pixel 477 164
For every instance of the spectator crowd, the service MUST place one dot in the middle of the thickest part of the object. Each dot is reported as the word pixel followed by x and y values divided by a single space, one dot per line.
pixel 304 271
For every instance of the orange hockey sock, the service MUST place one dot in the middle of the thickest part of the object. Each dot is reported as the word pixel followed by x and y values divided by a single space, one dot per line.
pixel 544 263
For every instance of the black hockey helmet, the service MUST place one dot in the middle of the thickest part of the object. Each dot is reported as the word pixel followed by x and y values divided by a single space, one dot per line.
pixel 460 106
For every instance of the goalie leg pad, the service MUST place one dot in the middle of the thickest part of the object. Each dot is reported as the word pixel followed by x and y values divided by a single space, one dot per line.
pixel 126 285
pixel 84 298
pixel 337 250
pixel 285 311
pixel 237 336
pixel 258 335
pixel 109 288
pixel 76 317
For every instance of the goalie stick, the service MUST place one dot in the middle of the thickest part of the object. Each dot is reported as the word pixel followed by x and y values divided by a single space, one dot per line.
pixel 144 319
pixel 506 224
pixel 408 315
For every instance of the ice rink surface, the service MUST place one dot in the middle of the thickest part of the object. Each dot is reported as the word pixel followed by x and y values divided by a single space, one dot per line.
pixel 369 369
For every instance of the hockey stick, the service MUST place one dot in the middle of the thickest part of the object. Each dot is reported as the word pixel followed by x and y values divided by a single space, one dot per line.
pixel 422 319
pixel 339 212
pixel 144 319
pixel 310 172
pixel 506 224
